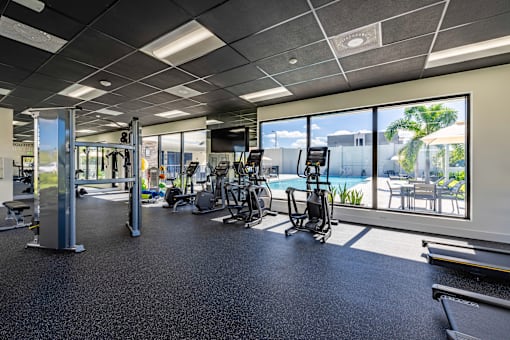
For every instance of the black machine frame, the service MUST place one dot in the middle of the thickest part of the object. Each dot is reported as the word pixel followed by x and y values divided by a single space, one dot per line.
pixel 317 217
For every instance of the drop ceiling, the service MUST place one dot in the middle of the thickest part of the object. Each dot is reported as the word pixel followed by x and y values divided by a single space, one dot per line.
pixel 267 44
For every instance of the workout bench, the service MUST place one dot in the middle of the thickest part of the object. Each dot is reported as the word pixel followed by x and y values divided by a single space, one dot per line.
pixel 15 211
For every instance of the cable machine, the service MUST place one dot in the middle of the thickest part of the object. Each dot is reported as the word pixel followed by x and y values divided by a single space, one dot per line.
pixel 54 221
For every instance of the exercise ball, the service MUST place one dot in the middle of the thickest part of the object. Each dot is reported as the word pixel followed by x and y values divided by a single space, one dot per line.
pixel 144 164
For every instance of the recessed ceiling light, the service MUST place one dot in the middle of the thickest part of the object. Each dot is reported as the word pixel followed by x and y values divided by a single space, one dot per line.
pixel 117 124
pixel 172 114
pixel 185 43
pixel 276 92
pixel 85 131
pixel 4 92
pixel 469 52
pixel 25 34
pixel 19 123
pixel 34 5
pixel 27 141
pixel 82 92
pixel 183 91
pixel 105 83
pixel 110 112
pixel 292 61
pixel 213 121
pixel 357 41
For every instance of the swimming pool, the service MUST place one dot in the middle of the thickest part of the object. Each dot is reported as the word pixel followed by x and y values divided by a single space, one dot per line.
pixel 300 183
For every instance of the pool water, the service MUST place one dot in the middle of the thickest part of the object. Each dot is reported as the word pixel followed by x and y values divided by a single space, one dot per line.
pixel 300 183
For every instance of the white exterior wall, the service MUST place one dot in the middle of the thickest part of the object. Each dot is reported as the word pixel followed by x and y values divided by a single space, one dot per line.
pixel 489 163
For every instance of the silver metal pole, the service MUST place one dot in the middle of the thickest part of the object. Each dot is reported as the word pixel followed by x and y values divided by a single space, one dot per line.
pixel 134 222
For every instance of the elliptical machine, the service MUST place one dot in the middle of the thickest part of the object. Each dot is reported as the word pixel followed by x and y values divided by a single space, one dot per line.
pixel 175 197
pixel 207 201
pixel 316 218
pixel 255 203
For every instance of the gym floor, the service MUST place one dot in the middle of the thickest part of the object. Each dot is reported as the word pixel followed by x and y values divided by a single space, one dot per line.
pixel 191 276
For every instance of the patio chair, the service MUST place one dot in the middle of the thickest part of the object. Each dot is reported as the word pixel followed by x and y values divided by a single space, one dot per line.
pixel 425 191
pixel 455 193
pixel 394 191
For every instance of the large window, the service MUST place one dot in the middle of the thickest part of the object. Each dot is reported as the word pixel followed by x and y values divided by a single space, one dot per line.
pixel 171 155
pixel 421 155
pixel 195 148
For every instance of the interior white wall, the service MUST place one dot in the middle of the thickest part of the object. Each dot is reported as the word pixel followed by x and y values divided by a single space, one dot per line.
pixel 6 152
pixel 172 127
pixel 490 165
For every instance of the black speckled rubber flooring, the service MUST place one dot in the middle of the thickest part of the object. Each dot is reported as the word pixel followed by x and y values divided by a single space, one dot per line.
pixel 188 277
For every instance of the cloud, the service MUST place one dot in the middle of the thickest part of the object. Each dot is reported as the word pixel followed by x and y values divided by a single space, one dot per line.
pixel 315 127
pixel 301 143
pixel 341 132
pixel 291 134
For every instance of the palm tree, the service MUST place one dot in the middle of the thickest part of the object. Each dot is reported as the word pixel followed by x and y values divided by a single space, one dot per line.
pixel 421 121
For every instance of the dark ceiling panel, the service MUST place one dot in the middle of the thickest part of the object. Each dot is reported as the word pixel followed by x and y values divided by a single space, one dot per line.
pixel 136 90
pixel 236 76
pixel 153 19
pixel 280 39
pixel 199 109
pixel 159 98
pixel 133 105
pixel 386 74
pixel 18 104
pixel 239 18
pixel 197 7
pixel 66 69
pixel 59 100
pixel 253 86
pixel 492 28
pixel 231 104
pixel 468 65
pixel 201 86
pixel 400 50
pixel 43 82
pixel 411 25
pixel 31 94
pixel 93 81
pixel 217 61
pixel 92 106
pixel 20 55
pixel 463 11
pixel 5 85
pixel 347 15
pixel 308 73
pixel 95 48
pixel 111 99
pixel 319 3
pixel 137 66
pixel 178 104
pixel 48 21
pixel 213 96
pixel 307 55
pixel 319 87
pixel 168 78
pixel 12 75
pixel 82 11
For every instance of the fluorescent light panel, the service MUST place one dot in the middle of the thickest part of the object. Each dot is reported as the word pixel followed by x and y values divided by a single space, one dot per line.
pixel 469 52
pixel 85 131
pixel 19 123
pixel 82 92
pixel 110 112
pixel 183 44
pixel 25 34
pixel 4 92
pixel 34 5
pixel 213 121
pixel 119 124
pixel 276 92
pixel 172 114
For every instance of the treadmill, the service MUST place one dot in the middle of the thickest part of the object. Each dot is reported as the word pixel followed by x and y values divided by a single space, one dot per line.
pixel 480 261
pixel 473 316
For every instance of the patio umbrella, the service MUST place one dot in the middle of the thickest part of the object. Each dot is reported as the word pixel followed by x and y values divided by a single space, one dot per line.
pixel 453 134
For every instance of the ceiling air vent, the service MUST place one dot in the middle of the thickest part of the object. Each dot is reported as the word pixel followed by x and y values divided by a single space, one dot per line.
pixel 357 41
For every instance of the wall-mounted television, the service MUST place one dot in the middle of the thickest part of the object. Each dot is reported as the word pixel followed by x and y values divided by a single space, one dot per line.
pixel 229 140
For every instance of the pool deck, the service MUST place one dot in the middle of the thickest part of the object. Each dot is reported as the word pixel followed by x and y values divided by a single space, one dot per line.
pixel 383 196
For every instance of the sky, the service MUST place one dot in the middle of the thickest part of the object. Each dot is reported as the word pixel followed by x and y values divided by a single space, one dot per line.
pixel 291 133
